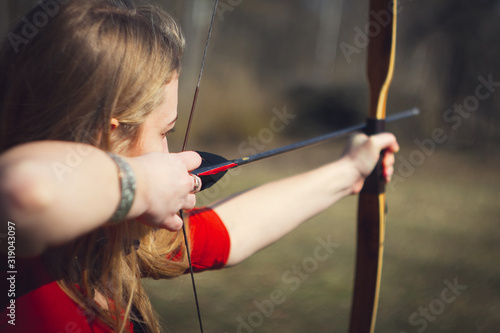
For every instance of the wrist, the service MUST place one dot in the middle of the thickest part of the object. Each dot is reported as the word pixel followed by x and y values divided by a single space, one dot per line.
pixel 127 185
pixel 139 205
pixel 353 177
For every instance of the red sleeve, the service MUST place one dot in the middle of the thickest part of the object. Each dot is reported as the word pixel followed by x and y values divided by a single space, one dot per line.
pixel 210 243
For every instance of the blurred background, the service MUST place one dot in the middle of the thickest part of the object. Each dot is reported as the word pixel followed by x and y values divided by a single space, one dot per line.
pixel 283 70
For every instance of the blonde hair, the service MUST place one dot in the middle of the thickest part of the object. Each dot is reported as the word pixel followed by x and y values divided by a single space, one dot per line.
pixel 92 61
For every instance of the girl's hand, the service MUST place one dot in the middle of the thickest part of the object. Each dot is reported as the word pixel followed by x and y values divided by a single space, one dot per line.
pixel 363 152
pixel 166 187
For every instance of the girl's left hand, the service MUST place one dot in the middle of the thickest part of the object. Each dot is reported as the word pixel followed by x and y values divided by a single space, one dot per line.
pixel 364 153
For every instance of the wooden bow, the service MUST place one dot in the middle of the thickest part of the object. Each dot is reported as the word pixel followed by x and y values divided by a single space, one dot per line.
pixel 371 207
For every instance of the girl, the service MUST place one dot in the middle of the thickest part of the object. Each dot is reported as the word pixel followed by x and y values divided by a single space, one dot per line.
pixel 89 187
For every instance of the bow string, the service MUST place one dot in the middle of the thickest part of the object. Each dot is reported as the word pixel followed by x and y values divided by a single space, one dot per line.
pixel 184 146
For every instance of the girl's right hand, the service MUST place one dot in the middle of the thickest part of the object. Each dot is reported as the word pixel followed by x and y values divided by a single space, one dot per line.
pixel 164 187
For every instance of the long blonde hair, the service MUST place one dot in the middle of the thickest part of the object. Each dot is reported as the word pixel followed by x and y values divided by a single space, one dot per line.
pixel 91 61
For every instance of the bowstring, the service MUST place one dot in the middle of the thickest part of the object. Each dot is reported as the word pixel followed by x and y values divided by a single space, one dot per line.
pixel 184 145
pixel 197 89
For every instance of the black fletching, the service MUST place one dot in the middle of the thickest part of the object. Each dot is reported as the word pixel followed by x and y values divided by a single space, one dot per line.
pixel 207 160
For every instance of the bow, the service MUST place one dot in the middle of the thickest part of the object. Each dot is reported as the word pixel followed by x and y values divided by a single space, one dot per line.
pixel 371 206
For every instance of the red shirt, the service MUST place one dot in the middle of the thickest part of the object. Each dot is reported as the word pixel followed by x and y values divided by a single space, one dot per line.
pixel 42 306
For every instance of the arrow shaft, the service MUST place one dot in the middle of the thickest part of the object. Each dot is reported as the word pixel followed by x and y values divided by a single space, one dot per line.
pixel 224 166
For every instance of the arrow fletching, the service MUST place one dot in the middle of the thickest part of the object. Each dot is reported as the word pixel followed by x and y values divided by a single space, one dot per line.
pixel 212 168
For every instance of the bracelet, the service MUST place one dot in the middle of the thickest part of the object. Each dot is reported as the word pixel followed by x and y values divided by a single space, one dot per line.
pixel 127 187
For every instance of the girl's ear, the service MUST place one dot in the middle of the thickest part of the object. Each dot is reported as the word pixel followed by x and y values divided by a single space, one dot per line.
pixel 114 124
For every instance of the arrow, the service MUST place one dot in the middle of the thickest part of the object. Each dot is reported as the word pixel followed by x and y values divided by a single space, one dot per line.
pixel 214 167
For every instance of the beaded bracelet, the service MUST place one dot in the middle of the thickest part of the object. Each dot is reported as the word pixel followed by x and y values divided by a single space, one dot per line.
pixel 127 187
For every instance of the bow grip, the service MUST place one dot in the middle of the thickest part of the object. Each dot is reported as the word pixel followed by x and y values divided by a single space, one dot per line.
pixel 375 182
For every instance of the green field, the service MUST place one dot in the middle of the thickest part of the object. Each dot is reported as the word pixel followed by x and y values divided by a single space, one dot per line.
pixel 442 230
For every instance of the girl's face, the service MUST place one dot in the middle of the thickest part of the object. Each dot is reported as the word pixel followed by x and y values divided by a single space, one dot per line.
pixel 153 134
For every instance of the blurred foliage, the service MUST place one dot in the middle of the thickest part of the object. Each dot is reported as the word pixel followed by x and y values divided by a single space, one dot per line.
pixel 272 54
pixel 443 47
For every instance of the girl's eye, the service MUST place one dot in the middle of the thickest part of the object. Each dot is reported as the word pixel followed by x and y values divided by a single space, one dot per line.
pixel 168 132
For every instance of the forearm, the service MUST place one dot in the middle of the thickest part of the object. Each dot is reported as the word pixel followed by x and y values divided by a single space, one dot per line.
pixel 57 191
pixel 259 217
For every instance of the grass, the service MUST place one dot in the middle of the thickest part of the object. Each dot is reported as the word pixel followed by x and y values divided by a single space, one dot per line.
pixel 442 228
